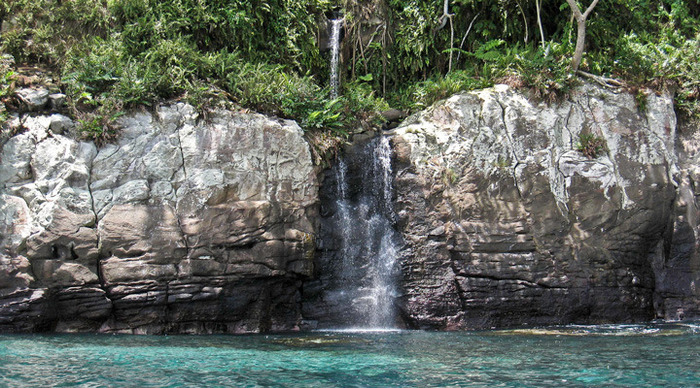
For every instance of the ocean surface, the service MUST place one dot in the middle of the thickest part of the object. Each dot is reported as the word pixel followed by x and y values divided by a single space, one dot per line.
pixel 661 355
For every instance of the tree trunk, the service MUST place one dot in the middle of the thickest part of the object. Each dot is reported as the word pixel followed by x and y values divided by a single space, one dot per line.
pixel 538 5
pixel 580 43
pixel 581 30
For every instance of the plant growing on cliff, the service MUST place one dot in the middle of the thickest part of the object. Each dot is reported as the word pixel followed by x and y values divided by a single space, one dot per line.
pixel 590 145
pixel 7 87
pixel 640 100
pixel 7 84
pixel 99 125
pixel 449 176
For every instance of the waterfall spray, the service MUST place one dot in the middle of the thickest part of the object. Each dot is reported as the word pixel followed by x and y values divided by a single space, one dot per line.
pixel 361 246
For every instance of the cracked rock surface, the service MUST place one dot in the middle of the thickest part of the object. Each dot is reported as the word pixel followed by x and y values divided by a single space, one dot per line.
pixel 506 223
pixel 192 225
pixel 184 226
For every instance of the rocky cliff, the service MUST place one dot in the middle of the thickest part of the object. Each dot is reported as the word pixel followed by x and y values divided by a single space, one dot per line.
pixel 506 223
pixel 185 225
pixel 196 225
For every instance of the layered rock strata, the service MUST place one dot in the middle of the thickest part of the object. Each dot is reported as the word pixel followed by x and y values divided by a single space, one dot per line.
pixel 193 225
pixel 185 225
pixel 506 223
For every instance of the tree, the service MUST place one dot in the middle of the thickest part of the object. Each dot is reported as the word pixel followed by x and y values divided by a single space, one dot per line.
pixel 580 29
pixel 538 7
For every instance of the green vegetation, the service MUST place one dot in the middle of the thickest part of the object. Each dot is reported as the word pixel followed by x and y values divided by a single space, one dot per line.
pixel 7 86
pixel 112 55
pixel 590 145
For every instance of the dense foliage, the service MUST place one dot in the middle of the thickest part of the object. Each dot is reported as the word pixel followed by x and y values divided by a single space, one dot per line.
pixel 265 55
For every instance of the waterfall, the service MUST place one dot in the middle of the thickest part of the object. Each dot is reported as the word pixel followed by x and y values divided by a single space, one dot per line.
pixel 336 25
pixel 359 244
pixel 382 238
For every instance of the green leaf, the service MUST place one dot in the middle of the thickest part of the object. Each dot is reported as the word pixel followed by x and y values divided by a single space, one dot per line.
pixel 366 77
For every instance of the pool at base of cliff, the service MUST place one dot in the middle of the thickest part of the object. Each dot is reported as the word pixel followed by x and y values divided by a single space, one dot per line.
pixel 662 354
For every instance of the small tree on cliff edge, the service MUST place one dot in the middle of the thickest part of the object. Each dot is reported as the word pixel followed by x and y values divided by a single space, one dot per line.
pixel 580 29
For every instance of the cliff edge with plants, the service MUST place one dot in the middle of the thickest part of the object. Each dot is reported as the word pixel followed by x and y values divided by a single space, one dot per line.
pixel 141 193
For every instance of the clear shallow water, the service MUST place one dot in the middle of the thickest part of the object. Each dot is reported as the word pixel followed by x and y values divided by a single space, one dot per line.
pixel 577 356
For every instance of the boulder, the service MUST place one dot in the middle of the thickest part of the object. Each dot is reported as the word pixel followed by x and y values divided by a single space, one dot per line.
pixel 34 98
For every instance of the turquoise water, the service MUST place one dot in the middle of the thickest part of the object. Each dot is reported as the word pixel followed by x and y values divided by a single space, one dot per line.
pixel 576 356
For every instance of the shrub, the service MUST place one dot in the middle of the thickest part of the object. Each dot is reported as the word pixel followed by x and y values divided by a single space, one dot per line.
pixel 590 145
pixel 7 86
pixel 98 126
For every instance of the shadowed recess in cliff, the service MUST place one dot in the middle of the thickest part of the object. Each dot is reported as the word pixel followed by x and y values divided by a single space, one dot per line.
pixel 356 284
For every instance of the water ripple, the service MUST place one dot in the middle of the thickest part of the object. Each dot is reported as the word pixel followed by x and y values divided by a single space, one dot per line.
pixel 570 356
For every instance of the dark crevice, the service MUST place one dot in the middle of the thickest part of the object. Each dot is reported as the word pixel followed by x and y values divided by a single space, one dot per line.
pixel 460 290
pixel 99 259
pixel 177 215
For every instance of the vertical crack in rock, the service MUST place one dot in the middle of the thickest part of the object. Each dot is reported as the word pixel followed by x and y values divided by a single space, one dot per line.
pixel 625 202
pixel 182 152
pixel 460 291
pixel 557 179
pixel 98 260
pixel 92 198
pixel 506 129
pixel 475 135
pixel 567 120
pixel 561 187
pixel 511 144
pixel 177 201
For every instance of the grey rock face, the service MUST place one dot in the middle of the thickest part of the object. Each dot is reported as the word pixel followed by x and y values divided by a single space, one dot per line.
pixel 678 271
pixel 198 226
pixel 184 226
pixel 33 98
pixel 506 223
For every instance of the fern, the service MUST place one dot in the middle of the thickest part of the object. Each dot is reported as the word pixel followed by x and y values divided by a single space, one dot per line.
pixel 487 52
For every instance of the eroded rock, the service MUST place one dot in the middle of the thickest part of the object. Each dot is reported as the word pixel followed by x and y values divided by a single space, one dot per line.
pixel 507 224
pixel 183 225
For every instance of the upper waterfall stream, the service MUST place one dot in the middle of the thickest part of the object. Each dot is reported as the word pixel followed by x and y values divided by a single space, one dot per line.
pixel 336 26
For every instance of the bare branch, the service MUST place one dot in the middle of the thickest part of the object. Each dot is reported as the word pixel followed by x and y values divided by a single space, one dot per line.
pixel 445 15
pixel 590 9
pixel 522 12
pixel 603 81
pixel 466 34
pixel 452 40
pixel 538 5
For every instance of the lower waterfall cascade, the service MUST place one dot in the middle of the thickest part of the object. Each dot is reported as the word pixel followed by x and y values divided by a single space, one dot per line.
pixel 359 244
